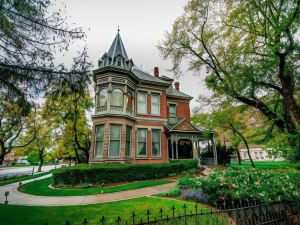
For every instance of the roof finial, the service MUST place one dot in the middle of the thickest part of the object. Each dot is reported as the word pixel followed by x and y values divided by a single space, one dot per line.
pixel 118 29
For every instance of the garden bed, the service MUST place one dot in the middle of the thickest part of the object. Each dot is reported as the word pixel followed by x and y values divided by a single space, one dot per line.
pixel 116 173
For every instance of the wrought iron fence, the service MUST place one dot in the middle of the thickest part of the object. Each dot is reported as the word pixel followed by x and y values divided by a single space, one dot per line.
pixel 234 213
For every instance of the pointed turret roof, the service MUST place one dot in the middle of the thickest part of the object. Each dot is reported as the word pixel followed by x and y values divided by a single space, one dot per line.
pixel 117 48
pixel 116 56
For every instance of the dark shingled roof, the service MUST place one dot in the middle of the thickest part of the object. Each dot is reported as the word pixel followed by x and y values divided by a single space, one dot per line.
pixel 117 48
pixel 147 77
pixel 177 94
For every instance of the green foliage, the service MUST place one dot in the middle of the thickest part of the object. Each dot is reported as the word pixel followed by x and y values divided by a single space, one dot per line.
pixel 243 184
pixel 33 158
pixel 176 192
pixel 41 187
pixel 115 173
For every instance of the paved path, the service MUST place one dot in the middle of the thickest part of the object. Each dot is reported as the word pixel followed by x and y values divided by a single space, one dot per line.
pixel 17 198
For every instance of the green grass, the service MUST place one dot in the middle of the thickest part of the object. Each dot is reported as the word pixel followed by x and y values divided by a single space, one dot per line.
pixel 41 187
pixel 264 164
pixel 57 215
pixel 18 179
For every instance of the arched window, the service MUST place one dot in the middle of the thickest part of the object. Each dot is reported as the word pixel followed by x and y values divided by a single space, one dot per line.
pixel 117 97
pixel 129 100
pixel 103 97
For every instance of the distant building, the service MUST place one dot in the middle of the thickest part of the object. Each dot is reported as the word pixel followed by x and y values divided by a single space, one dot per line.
pixel 140 118
pixel 258 154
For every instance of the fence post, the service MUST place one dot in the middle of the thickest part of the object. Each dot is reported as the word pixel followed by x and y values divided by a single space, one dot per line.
pixel 102 220
pixel 161 213
pixel 133 218
pixel 148 213
pixel 32 170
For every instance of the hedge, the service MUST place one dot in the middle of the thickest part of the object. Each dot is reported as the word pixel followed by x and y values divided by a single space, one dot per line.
pixel 115 173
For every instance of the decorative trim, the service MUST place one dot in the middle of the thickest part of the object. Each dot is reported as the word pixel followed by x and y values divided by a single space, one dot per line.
pixel 151 119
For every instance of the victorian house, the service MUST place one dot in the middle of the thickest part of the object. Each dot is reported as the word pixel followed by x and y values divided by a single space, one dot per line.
pixel 139 117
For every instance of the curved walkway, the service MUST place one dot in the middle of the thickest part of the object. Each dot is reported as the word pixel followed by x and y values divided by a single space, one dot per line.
pixel 18 198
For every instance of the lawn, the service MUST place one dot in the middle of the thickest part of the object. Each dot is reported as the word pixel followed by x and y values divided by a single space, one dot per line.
pixel 41 187
pixel 57 215
pixel 22 178
pixel 264 164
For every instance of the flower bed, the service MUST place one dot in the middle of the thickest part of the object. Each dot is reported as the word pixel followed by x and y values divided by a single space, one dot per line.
pixel 232 185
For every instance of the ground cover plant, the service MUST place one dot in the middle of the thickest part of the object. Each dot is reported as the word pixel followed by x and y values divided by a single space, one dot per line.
pixel 264 164
pixel 76 214
pixel 22 178
pixel 41 187
pixel 115 173
pixel 241 184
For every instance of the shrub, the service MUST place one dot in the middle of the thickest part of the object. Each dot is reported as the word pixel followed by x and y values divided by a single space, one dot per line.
pixel 242 184
pixel 115 173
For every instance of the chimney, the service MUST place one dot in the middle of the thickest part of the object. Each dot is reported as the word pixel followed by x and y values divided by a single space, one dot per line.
pixel 176 84
pixel 156 71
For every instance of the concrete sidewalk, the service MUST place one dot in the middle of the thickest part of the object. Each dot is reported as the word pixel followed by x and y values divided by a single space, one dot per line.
pixel 17 198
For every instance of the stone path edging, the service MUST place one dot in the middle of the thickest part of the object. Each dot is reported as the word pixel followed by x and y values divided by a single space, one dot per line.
pixel 18 198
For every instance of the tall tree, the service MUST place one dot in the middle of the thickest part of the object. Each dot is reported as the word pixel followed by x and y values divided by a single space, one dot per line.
pixel 248 49
pixel 13 121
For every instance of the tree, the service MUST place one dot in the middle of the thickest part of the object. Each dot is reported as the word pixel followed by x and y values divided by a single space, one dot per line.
pixel 250 52
pixel 42 137
pixel 13 121
pixel 226 118
pixel 68 110
pixel 31 36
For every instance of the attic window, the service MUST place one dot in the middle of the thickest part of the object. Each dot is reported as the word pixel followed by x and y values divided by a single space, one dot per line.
pixel 119 62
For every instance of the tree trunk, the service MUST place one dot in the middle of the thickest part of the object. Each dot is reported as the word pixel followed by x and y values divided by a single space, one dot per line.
pixel 2 152
pixel 245 142
pixel 238 155
pixel 41 157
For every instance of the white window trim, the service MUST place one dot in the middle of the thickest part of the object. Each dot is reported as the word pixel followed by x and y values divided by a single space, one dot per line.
pixel 130 156
pixel 156 156
pixel 154 114
pixel 95 140
pixel 137 144
pixel 115 157
pixel 137 102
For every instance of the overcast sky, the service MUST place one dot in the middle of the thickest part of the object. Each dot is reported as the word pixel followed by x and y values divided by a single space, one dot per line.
pixel 142 24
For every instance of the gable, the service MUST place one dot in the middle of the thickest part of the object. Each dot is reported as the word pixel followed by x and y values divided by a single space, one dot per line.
pixel 185 126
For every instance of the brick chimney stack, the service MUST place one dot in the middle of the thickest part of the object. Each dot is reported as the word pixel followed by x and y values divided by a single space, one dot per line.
pixel 156 71
pixel 176 84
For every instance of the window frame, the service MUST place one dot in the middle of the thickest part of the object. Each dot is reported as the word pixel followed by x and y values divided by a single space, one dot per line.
pixel 95 140
pixel 130 141
pixel 112 93
pixel 159 155
pixel 146 103
pixel 120 140
pixel 99 105
pixel 175 106
pixel 137 143
pixel 156 95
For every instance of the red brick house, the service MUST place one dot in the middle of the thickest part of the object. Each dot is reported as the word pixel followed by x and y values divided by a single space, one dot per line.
pixel 139 118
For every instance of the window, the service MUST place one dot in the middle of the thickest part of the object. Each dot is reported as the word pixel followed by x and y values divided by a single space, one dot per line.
pixel 142 102
pixel 129 100
pixel 155 104
pixel 142 142
pixel 117 97
pixel 261 155
pixel 256 155
pixel 155 142
pixel 245 155
pixel 99 134
pixel 172 112
pixel 115 141
pixel 128 141
pixel 103 97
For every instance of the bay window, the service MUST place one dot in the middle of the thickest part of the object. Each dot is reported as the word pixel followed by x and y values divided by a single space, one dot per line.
pixel 142 142
pixel 117 97
pixel 142 102
pixel 128 147
pixel 99 135
pixel 156 142
pixel 103 96
pixel 129 101
pixel 115 141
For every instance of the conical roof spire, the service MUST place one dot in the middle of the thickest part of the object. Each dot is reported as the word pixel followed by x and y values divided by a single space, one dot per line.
pixel 116 55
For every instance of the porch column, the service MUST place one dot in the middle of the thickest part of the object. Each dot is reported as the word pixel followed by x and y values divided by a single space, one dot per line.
pixel 172 145
pixel 198 153
pixel 215 150
pixel 176 145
